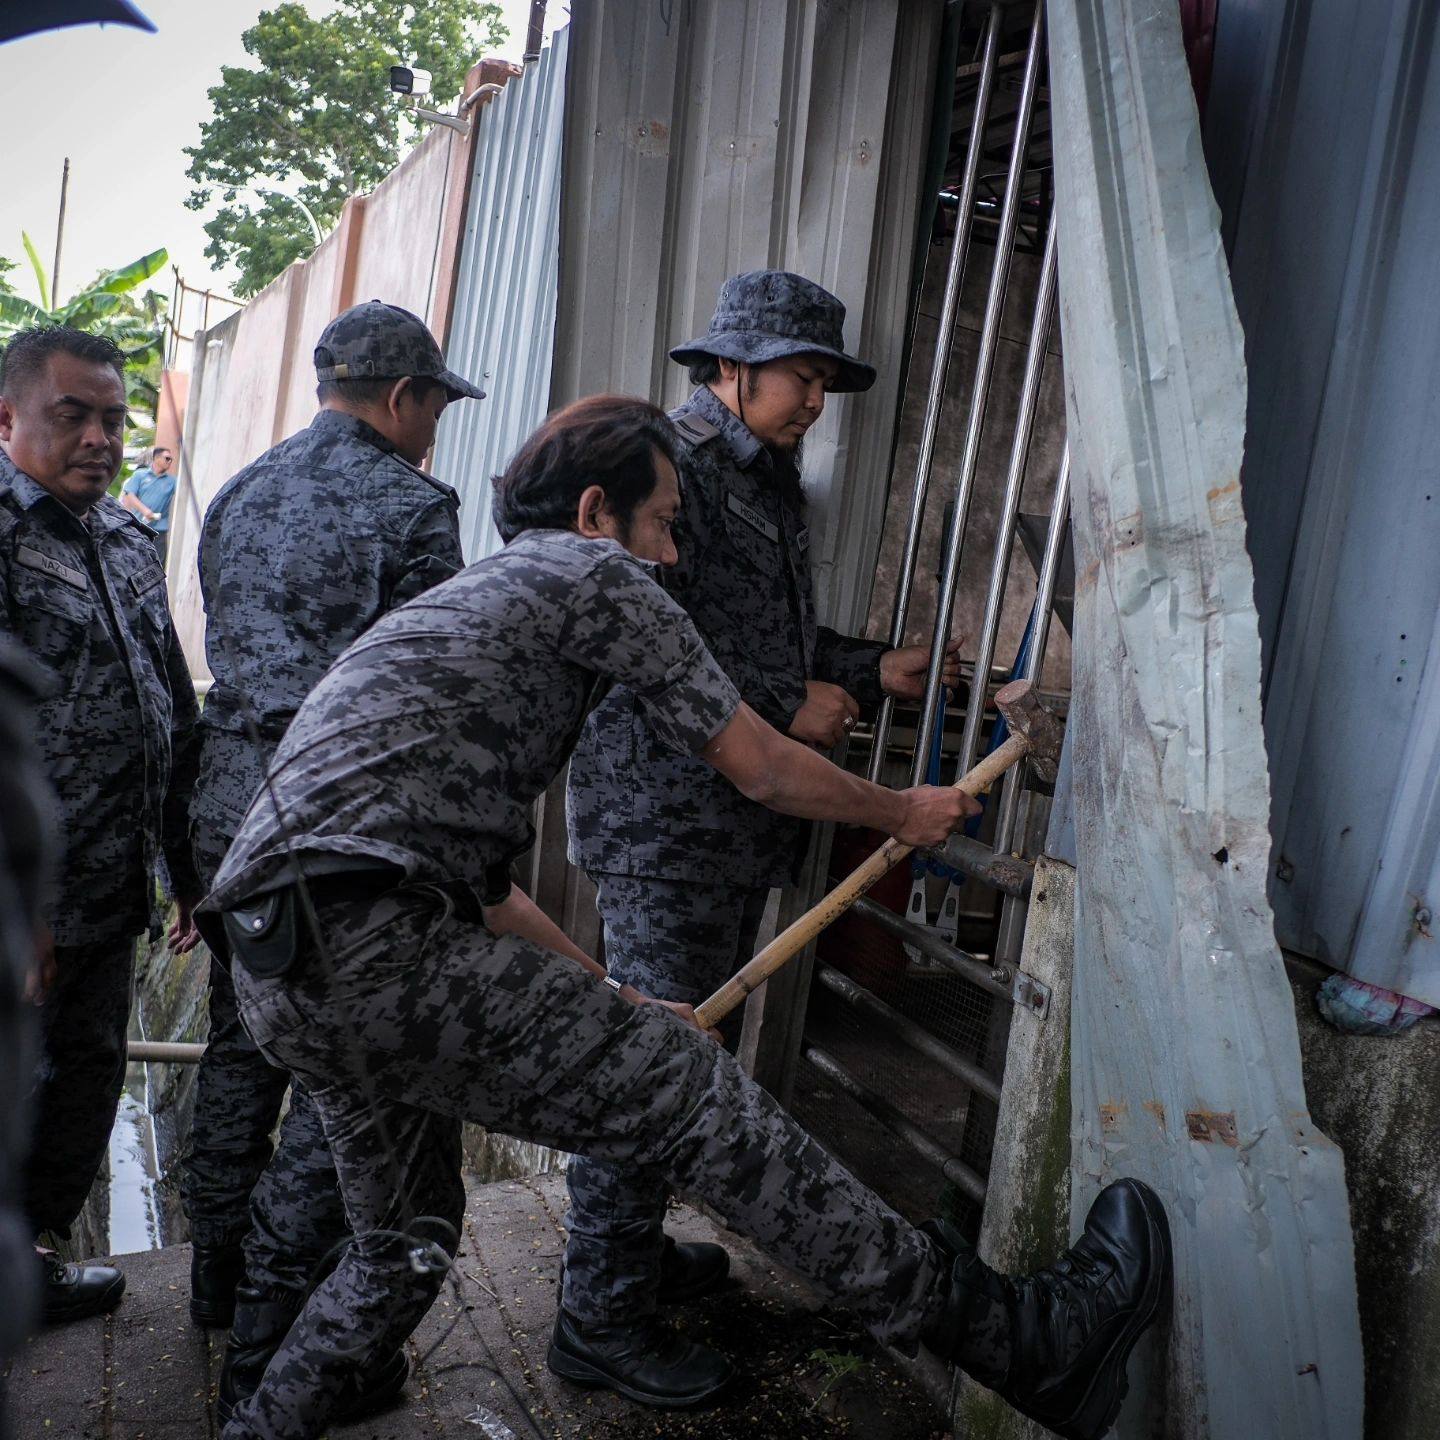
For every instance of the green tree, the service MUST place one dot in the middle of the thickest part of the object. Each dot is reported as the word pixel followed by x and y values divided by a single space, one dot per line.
pixel 112 304
pixel 317 112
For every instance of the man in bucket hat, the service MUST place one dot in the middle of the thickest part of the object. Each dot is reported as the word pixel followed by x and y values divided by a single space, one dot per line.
pixel 300 553
pixel 683 863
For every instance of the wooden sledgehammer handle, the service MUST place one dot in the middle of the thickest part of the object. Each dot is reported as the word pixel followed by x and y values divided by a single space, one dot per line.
pixel 790 942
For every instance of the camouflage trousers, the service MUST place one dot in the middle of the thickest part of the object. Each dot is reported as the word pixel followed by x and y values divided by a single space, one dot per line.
pixel 417 1019
pixel 673 940
pixel 288 1218
pixel 78 1078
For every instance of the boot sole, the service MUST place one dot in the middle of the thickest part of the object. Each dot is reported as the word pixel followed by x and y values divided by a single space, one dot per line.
pixel 1100 1408
pixel 591 1377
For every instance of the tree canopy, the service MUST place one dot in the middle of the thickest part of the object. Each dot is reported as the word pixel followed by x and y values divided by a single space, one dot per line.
pixel 316 116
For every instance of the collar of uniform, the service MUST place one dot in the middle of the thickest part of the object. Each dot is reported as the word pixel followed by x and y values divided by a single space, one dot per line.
pixel 339 423
pixel 737 437
pixel 27 491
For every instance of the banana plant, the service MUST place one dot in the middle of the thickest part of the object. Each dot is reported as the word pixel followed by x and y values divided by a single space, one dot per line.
pixel 109 307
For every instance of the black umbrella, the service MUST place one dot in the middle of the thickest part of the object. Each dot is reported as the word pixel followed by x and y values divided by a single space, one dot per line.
pixel 27 17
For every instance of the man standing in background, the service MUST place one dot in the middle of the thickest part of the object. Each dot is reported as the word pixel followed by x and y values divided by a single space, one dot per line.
pixel 81 588
pixel 683 862
pixel 149 494
pixel 300 554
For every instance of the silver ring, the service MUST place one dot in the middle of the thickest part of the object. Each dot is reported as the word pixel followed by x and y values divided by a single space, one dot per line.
pixel 849 722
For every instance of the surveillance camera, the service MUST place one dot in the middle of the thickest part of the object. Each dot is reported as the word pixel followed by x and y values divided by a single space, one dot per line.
pixel 409 80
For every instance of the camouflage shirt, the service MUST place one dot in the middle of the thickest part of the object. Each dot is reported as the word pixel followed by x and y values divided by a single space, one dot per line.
pixel 430 738
pixel 638 806
pixel 117 734
pixel 300 553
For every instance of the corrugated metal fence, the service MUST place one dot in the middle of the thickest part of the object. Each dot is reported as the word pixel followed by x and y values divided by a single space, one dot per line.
pixel 502 332
pixel 1333 254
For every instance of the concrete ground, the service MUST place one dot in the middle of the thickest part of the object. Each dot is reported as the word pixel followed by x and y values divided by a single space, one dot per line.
pixel 478 1361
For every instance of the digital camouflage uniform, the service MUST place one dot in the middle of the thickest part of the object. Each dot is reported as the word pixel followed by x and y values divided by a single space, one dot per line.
pixel 683 862
pixel 117 740
pixel 423 751
pixel 300 553
pixel 26 861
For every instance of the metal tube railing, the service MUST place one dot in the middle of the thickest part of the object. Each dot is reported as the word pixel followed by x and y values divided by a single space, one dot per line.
pixel 935 397
pixel 950 1166
pixel 1010 503
pixel 974 421
pixel 1001 872
pixel 915 1036
pixel 164 1052
pixel 1039 639
pixel 929 944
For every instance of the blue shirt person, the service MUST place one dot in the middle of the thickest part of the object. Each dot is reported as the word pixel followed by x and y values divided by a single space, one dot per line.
pixel 149 492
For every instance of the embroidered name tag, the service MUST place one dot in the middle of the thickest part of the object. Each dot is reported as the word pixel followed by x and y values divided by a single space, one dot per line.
pixel 753 518
pixel 143 584
pixel 34 560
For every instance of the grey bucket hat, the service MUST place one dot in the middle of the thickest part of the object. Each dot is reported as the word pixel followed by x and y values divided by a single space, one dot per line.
pixel 766 314
pixel 376 341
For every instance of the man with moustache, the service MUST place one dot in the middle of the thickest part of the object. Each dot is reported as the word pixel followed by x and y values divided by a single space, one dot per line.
pixel 81 588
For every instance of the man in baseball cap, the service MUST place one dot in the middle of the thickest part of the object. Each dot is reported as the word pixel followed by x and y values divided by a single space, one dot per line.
pixel 300 553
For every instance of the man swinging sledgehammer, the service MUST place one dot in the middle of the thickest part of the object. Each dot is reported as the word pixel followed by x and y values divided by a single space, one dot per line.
pixel 431 991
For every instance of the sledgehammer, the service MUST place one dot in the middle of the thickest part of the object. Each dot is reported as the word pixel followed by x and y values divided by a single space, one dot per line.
pixel 1034 731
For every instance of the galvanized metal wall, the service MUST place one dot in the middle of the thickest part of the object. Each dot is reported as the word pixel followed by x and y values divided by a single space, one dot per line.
pixel 502 329
pixel 1185 1059
pixel 708 137
pixel 1323 137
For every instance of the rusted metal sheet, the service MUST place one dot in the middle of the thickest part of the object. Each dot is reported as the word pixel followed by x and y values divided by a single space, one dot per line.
pixel 1185 1057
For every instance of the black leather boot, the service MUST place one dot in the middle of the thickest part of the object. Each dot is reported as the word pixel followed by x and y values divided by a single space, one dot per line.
pixel 643 1360
pixel 261 1323
pixel 1054 1344
pixel 215 1271
pixel 75 1292
pixel 688 1271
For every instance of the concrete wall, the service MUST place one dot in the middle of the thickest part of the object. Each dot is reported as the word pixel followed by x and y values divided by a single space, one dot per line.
pixel 253 381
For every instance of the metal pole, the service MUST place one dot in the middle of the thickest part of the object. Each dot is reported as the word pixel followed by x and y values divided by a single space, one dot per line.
pixel 939 365
pixel 535 32
pixel 1040 636
pixel 902 1027
pixel 164 1052
pixel 59 236
pixel 974 421
pixel 928 943
pixel 1010 504
pixel 953 1169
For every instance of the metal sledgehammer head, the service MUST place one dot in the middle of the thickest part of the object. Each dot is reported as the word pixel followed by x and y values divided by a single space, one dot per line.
pixel 1040 728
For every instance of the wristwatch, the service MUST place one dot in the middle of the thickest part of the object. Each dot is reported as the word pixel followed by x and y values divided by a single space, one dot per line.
pixel 616 985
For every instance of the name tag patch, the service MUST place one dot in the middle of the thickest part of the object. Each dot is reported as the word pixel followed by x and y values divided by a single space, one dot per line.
pixel 802 540
pixel 753 518
pixel 33 559
pixel 144 583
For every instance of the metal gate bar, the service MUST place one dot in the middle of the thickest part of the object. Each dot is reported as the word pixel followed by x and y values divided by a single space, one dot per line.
pixel 903 1028
pixel 1010 504
pixel 944 338
pixel 950 1166
pixel 929 944
pixel 1005 873
pixel 980 391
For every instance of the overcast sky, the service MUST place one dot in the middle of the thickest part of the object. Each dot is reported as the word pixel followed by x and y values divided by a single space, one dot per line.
pixel 123 105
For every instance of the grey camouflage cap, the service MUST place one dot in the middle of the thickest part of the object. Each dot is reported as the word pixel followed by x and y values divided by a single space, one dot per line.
pixel 376 341
pixel 766 314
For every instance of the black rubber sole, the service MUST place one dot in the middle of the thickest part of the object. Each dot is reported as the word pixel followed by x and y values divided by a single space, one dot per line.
pixel 591 1377
pixel 1100 1408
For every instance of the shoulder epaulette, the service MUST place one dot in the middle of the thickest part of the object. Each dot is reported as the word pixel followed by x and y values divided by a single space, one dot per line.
pixel 695 428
